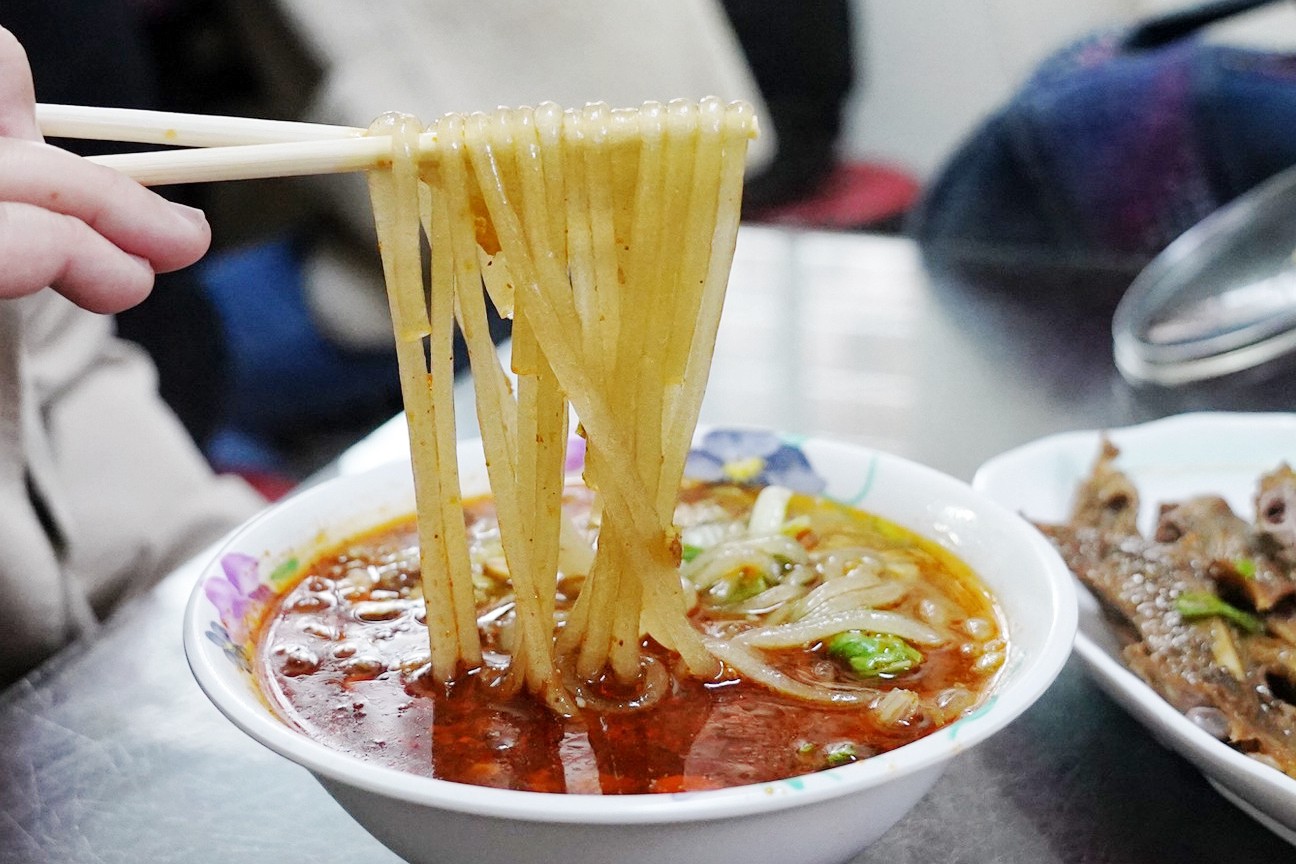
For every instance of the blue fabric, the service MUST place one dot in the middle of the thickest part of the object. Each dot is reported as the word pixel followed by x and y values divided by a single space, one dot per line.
pixel 285 375
pixel 1112 150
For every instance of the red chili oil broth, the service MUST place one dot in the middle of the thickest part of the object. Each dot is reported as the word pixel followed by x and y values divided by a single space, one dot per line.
pixel 344 663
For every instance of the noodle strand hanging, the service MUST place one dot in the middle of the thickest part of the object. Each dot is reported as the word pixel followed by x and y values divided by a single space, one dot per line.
pixel 606 235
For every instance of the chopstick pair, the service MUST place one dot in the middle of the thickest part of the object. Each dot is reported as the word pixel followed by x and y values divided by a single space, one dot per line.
pixel 222 148
pixel 245 148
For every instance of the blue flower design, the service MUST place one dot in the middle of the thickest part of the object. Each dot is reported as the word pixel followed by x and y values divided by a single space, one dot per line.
pixel 752 457
pixel 238 655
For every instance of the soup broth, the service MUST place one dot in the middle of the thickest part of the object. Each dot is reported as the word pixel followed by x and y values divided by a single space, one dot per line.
pixel 343 656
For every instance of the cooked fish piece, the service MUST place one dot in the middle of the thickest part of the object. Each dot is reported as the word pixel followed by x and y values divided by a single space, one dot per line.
pixel 1153 590
pixel 1255 577
pixel 1245 564
pixel 1107 500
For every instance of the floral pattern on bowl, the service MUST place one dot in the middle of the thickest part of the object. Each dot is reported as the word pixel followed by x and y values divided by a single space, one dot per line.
pixel 240 597
pixel 752 457
pixel 575 462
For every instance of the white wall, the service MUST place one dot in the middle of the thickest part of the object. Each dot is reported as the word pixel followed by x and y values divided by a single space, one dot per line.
pixel 932 69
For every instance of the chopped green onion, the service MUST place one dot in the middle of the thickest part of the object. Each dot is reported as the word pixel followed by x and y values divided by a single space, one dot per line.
pixel 872 654
pixel 1198 604
pixel 840 754
pixel 691 552
pixel 739 586
pixel 1245 567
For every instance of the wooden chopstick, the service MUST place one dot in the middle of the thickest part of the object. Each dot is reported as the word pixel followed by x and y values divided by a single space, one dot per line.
pixel 239 148
pixel 180 130
pixel 232 148
pixel 253 161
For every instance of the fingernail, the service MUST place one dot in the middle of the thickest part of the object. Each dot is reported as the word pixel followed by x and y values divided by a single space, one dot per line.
pixel 191 214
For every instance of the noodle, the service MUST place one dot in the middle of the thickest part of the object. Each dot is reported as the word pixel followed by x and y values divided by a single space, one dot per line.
pixel 811 629
pixel 395 207
pixel 606 235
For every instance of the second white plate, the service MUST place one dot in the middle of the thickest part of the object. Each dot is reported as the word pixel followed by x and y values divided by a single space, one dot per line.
pixel 1166 459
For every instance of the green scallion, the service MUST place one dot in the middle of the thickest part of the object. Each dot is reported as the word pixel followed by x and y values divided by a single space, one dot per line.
pixel 1193 605
pixel 840 754
pixel 872 654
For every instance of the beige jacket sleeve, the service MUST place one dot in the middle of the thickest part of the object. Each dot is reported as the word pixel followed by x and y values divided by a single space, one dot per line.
pixel 101 490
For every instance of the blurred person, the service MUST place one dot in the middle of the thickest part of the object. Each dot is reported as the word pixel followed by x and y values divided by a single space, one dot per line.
pixel 802 57
pixel 101 490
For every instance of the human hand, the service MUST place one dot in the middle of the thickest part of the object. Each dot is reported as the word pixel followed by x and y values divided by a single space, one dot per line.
pixel 90 233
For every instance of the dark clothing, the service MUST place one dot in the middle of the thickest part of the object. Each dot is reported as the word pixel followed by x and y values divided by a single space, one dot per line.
pixel 801 57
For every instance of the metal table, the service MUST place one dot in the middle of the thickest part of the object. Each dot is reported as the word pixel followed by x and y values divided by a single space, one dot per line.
pixel 110 753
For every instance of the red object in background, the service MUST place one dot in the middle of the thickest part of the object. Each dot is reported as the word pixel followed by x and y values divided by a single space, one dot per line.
pixel 271 485
pixel 855 196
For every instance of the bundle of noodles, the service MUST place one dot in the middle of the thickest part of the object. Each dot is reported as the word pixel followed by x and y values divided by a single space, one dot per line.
pixel 607 236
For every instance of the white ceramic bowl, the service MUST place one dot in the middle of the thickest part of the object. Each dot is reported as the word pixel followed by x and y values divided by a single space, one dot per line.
pixel 824 817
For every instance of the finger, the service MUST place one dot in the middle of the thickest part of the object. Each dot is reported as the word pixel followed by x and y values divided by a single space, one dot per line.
pixel 40 247
pixel 17 93
pixel 128 215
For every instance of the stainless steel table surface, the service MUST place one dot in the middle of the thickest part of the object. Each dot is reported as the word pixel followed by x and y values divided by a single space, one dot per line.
pixel 110 753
